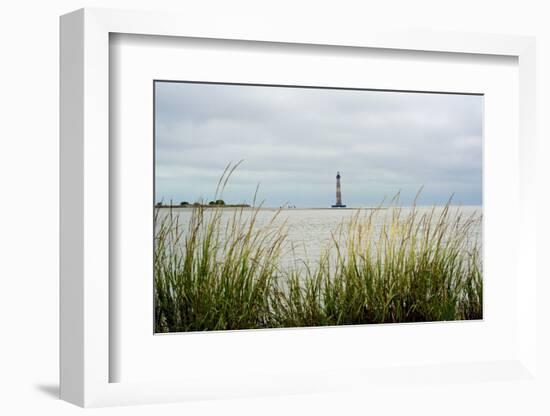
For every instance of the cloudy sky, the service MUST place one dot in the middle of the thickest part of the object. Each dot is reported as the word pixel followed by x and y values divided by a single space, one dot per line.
pixel 293 140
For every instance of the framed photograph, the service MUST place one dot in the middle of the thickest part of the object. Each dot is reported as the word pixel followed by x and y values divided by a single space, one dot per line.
pixel 272 241
pixel 267 213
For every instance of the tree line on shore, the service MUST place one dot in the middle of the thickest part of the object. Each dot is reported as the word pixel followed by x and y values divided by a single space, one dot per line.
pixel 217 202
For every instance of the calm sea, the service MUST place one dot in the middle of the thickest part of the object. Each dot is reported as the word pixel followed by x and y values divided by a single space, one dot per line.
pixel 309 230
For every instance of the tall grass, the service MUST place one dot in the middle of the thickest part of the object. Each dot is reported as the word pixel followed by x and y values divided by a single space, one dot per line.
pixel 416 267
pixel 223 272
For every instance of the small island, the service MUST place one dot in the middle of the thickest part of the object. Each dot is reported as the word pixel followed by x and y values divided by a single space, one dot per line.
pixel 218 203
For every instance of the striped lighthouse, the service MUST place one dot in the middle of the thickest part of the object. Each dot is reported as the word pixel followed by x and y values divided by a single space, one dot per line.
pixel 338 193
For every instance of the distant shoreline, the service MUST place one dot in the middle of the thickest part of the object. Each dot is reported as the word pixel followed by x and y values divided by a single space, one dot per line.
pixel 190 207
pixel 265 208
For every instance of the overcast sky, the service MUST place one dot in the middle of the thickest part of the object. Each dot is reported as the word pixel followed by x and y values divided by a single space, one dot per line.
pixel 294 140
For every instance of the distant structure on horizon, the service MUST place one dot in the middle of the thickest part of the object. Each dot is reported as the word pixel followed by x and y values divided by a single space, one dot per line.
pixel 338 193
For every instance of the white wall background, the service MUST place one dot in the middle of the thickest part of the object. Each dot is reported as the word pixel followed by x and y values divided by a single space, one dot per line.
pixel 29 202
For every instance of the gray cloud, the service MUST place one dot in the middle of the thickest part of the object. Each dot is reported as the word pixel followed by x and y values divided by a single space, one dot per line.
pixel 293 141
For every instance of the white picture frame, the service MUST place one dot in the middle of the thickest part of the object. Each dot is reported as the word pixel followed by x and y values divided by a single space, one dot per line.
pixel 85 355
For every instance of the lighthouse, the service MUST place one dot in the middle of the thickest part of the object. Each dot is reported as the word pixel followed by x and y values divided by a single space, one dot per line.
pixel 338 193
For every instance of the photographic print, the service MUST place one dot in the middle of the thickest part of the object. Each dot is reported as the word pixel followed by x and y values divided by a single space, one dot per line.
pixel 288 206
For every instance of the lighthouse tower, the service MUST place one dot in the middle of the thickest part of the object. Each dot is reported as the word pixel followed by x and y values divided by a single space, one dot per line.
pixel 338 193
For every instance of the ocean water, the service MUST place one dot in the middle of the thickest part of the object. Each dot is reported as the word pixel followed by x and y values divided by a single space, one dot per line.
pixel 309 231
